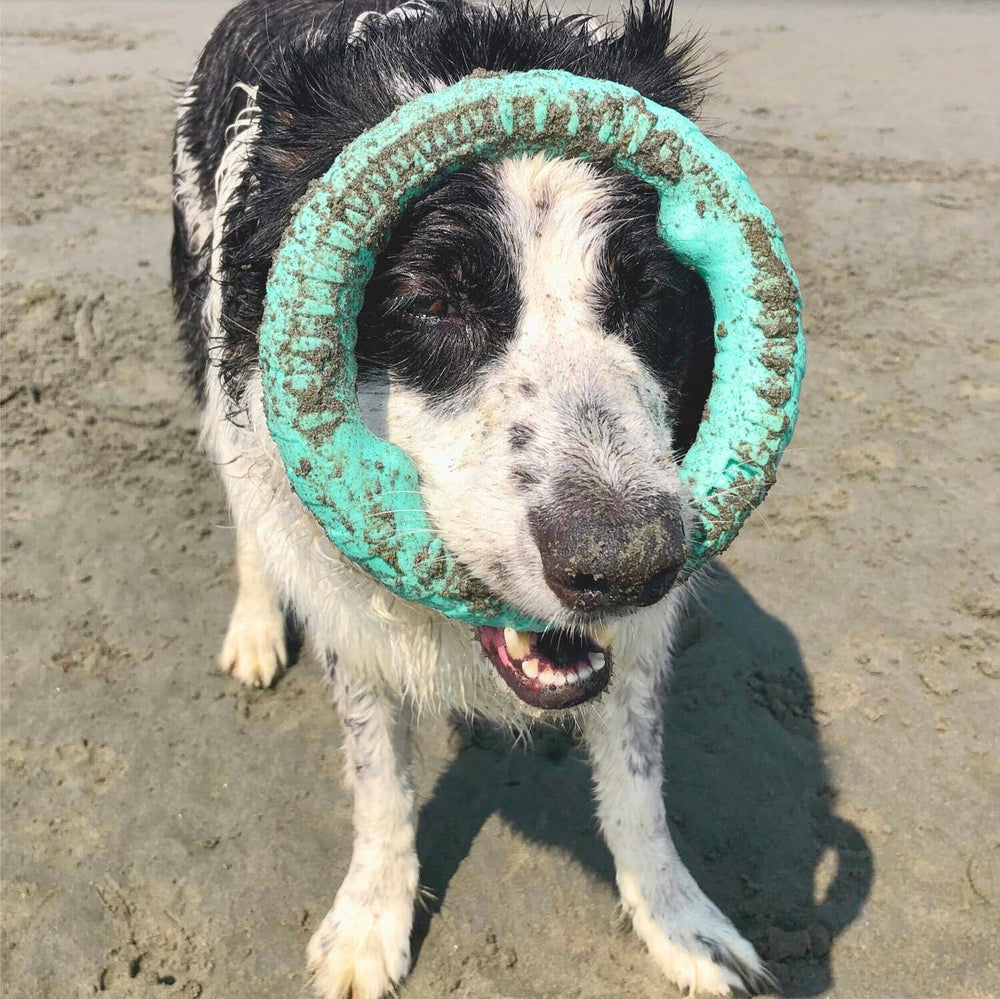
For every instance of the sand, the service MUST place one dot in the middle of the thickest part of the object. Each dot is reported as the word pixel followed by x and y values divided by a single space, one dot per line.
pixel 833 759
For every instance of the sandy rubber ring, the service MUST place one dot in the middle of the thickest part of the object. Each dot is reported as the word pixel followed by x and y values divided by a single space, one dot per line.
pixel 358 486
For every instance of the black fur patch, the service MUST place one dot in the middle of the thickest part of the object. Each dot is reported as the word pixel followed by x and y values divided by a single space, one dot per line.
pixel 520 436
pixel 525 477
pixel 190 279
pixel 315 94
pixel 330 660
pixel 448 253
pixel 658 306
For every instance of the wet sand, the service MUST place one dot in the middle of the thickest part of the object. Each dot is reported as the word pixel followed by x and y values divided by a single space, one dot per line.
pixel 833 761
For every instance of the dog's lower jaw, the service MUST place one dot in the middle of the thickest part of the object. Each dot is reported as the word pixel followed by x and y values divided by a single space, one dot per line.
pixel 691 941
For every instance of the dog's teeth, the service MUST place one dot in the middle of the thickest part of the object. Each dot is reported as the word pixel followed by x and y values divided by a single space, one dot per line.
pixel 518 643
pixel 559 679
pixel 597 660
pixel 530 668
pixel 548 677
pixel 603 635
pixel 585 672
pixel 571 677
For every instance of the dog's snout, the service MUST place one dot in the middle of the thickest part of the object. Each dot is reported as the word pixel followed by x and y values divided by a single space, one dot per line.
pixel 608 552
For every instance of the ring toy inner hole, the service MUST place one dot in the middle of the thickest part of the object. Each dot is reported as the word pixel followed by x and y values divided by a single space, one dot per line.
pixel 359 487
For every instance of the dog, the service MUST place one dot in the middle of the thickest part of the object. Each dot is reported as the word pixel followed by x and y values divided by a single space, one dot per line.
pixel 532 344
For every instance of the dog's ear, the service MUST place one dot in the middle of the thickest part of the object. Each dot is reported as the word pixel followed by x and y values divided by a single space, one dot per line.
pixel 645 54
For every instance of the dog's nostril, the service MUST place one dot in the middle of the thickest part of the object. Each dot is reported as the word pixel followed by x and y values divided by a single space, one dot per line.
pixel 613 554
pixel 586 582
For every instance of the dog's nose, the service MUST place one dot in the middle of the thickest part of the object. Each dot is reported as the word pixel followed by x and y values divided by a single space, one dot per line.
pixel 608 553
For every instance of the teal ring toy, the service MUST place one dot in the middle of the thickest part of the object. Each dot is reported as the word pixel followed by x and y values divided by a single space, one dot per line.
pixel 360 487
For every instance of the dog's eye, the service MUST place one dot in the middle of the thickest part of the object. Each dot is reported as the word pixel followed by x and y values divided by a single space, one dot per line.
pixel 432 308
pixel 647 289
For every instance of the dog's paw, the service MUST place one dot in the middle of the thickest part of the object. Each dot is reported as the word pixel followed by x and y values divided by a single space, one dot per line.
pixel 360 952
pixel 699 949
pixel 254 649
pixel 712 963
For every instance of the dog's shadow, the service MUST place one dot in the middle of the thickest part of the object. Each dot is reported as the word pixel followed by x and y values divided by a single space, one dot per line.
pixel 747 791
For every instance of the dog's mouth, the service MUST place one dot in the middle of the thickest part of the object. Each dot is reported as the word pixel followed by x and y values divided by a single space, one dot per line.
pixel 547 669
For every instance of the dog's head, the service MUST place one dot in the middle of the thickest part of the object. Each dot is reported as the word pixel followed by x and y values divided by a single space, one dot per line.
pixel 545 360
pixel 526 335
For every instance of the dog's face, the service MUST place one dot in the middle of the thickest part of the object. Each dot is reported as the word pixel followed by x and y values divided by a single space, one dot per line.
pixel 545 360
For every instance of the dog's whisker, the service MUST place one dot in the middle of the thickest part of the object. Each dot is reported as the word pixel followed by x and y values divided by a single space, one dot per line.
pixel 394 513
pixel 756 512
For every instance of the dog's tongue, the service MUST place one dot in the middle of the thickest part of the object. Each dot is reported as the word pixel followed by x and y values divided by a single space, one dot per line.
pixel 550 669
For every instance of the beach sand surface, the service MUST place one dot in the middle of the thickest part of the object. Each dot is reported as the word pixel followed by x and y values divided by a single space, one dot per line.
pixel 832 734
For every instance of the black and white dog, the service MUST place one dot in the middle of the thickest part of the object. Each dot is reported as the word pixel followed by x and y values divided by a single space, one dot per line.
pixel 545 361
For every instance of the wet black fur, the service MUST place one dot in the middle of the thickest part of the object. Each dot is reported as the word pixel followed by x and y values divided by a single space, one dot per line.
pixel 316 94
pixel 447 249
pixel 670 326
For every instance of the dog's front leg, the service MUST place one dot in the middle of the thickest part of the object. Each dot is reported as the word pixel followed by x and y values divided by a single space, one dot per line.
pixel 694 944
pixel 362 947
pixel 254 649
